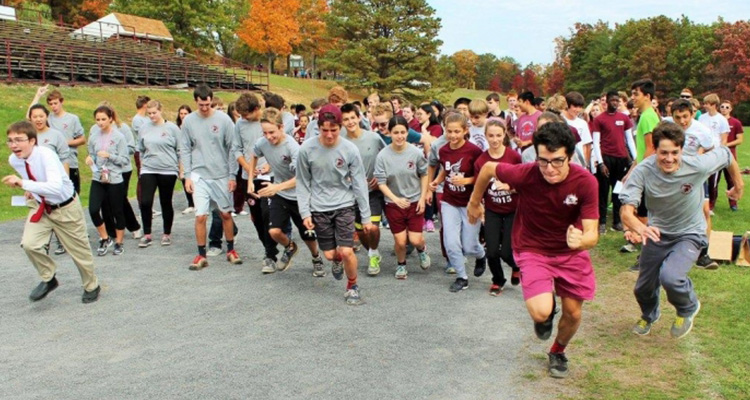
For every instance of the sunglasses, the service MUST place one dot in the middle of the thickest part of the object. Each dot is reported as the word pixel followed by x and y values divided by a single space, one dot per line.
pixel 724 107
pixel 381 124
pixel 685 96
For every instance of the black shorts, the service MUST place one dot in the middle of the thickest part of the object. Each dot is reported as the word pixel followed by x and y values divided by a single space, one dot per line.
pixel 642 211
pixel 279 212
pixel 334 228
pixel 377 204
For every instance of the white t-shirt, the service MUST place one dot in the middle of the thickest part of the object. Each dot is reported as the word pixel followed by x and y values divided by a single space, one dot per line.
pixel 697 136
pixel 583 131
pixel 716 124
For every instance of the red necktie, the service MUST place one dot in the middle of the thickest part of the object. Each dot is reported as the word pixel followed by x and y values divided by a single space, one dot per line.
pixel 42 207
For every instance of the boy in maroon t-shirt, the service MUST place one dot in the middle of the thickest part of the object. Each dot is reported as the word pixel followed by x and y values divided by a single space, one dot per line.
pixel 736 131
pixel 556 223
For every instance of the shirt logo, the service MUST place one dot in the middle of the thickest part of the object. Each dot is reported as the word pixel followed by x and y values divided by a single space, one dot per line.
pixel 46 141
pixel 619 123
pixel 214 129
pixel 339 162
pixel 686 188
pixel 410 165
pixel 571 200
pixel 164 134
pixel 65 127
pixel 286 159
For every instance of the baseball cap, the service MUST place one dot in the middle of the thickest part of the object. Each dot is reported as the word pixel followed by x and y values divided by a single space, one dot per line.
pixel 331 109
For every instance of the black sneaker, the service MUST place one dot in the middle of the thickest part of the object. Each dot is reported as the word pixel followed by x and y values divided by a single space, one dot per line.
pixel 104 245
pixel 459 285
pixel 543 330
pixel 618 227
pixel 515 278
pixel 637 266
pixel 119 249
pixel 705 262
pixel 60 249
pixel 602 229
pixel 558 365
pixel 92 296
pixel 480 266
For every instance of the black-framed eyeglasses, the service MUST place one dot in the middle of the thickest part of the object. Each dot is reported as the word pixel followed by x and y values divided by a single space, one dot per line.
pixel 556 162
pixel 11 142
pixel 682 96
pixel 381 124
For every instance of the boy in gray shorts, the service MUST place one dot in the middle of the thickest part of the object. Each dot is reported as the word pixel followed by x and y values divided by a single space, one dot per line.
pixel 330 181
pixel 210 170
pixel 676 232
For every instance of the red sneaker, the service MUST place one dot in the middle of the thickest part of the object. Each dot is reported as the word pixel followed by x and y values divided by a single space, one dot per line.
pixel 495 290
pixel 233 257
pixel 199 262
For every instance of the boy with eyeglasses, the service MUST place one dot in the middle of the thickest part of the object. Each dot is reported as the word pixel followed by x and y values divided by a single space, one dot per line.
pixel 556 224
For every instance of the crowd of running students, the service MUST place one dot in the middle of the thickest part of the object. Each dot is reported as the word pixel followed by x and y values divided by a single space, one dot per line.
pixel 528 186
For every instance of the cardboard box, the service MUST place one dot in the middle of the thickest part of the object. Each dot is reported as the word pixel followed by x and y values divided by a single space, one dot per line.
pixel 720 246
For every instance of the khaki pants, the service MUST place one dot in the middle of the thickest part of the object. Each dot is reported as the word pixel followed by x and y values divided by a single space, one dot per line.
pixel 69 226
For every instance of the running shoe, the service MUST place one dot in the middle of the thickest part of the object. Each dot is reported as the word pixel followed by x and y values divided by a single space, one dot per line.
pixel 286 257
pixel 643 327
pixel 145 241
pixel 352 296
pixel 318 267
pixel 515 278
pixel 188 210
pixel 424 260
pixel 337 269
pixel 138 234
pixel 60 249
pixel 233 257
pixel 602 229
pixel 374 268
pixel 558 365
pixel 450 271
pixel 199 262
pixel 104 245
pixel 683 325
pixel 459 285
pixel 166 240
pixel 429 226
pixel 705 262
pixel 119 249
pixel 401 272
pixel 269 266
pixel 214 251
pixel 495 290
pixel 480 265
pixel 628 248
pixel 618 227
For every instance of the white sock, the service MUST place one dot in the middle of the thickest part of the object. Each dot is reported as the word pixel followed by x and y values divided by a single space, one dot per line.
pixel 372 252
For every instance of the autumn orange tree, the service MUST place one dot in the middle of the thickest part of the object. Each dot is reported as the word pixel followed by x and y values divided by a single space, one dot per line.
pixel 314 40
pixel 271 27
pixel 466 67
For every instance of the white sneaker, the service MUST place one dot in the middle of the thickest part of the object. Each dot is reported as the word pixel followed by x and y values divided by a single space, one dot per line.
pixel 214 251
pixel 138 234
pixel 188 210
pixel 234 214
pixel 156 213
pixel 243 212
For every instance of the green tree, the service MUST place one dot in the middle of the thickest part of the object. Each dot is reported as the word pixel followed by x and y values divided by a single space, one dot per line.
pixel 383 44
pixel 445 72
pixel 486 70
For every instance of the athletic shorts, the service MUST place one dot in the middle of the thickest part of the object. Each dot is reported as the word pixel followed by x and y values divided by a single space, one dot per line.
pixel 280 210
pixel 334 228
pixel 402 219
pixel 212 193
pixel 569 275
pixel 377 202
pixel 642 211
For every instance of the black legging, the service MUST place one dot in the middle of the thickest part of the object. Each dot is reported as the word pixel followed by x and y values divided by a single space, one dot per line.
pixel 149 184
pixel 497 236
pixel 188 196
pixel 114 195
pixel 131 221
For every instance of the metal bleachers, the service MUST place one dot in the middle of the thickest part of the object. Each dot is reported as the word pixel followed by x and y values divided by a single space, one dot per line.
pixel 49 53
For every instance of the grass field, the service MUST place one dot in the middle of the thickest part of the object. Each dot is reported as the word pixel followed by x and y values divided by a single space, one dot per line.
pixel 607 361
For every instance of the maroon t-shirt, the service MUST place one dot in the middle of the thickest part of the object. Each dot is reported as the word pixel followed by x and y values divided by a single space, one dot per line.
pixel 735 128
pixel 414 124
pixel 545 210
pixel 526 126
pixel 498 201
pixel 435 130
pixel 575 133
pixel 458 162
pixel 612 128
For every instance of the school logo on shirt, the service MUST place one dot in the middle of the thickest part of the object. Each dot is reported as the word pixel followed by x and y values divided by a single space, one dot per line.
pixel 46 141
pixel 164 134
pixel 686 188
pixel 111 142
pixel 454 171
pixel 214 129
pixel 620 123
pixel 339 162
pixel 571 200
pixel 286 159
pixel 410 165
pixel 65 127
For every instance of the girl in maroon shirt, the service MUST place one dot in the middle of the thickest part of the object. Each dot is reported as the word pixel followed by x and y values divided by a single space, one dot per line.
pixel 429 123
pixel 500 207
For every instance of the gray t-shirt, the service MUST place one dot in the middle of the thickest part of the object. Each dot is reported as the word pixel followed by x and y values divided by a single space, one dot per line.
pixel 331 178
pixel 207 147
pixel 55 140
pixel 159 146
pixel 113 143
pixel 401 172
pixel 70 126
pixel 369 145
pixel 247 134
pixel 283 161
pixel 288 120
pixel 674 200
pixel 313 130
pixel 138 122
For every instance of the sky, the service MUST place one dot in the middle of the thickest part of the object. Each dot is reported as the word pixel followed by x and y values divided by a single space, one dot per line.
pixel 526 29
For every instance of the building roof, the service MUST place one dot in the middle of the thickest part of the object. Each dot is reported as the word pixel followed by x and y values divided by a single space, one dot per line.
pixel 143 26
